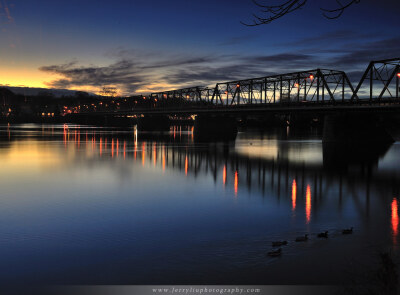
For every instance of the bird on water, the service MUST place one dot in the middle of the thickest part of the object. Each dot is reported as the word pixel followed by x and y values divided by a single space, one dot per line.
pixel 279 243
pixel 302 239
pixel 323 235
pixel 275 253
pixel 347 231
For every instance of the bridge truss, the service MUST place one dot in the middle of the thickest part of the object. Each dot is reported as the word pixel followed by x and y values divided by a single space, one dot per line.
pixel 380 83
pixel 317 85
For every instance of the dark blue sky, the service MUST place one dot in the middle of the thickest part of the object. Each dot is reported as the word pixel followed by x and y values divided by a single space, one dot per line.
pixel 141 46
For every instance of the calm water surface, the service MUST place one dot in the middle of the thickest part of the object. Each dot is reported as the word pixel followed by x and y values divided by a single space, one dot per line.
pixel 85 205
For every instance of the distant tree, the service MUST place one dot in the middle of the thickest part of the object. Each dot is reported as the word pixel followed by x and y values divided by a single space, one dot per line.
pixel 81 94
pixel 45 94
pixel 273 12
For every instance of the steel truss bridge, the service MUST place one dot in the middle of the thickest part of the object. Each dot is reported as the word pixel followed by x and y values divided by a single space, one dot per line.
pixel 378 87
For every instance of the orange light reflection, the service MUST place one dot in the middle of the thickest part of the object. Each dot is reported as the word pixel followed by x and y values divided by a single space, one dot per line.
pixel 163 160
pixel 143 154
pixel 224 175
pixel 186 165
pixel 395 219
pixel 308 204
pixel 155 154
pixel 236 182
pixel 294 194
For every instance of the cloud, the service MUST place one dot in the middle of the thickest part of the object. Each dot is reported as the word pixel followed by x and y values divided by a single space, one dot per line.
pixel 123 74
pixel 337 36
pixel 5 12
pixel 142 72
pixel 356 54
pixel 131 72
pixel 237 40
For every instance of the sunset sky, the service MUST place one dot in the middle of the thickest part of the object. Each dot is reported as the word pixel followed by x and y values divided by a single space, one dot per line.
pixel 146 46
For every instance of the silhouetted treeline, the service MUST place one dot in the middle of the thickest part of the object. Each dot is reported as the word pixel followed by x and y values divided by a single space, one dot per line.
pixel 45 107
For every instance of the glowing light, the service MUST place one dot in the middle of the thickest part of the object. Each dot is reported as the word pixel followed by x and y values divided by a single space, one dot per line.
pixel 308 204
pixel 101 146
pixel 296 85
pixel 224 175
pixel 112 148
pixel 294 194
pixel 187 96
pixel 186 165
pixel 237 85
pixel 236 182
pixel 398 75
pixel 311 77
pixel 395 218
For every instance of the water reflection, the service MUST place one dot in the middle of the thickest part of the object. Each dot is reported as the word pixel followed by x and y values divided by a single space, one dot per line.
pixel 296 185
pixel 395 219
pixel 236 182
pixel 294 195
pixel 308 204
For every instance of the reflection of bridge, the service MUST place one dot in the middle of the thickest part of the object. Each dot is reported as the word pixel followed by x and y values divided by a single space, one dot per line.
pixel 318 92
pixel 296 183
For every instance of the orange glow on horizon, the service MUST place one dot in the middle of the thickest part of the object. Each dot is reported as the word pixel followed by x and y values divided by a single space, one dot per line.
pixel 308 204
pixel 294 194
pixel 14 76
pixel 395 218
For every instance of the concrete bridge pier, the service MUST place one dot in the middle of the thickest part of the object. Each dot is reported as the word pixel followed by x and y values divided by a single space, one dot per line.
pixel 153 123
pixel 215 128
pixel 355 127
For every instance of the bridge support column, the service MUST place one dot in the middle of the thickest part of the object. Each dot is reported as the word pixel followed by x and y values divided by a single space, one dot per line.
pixel 215 128
pixel 153 123
pixel 355 127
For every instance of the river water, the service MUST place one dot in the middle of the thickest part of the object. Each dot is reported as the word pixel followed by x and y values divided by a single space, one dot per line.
pixel 89 205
